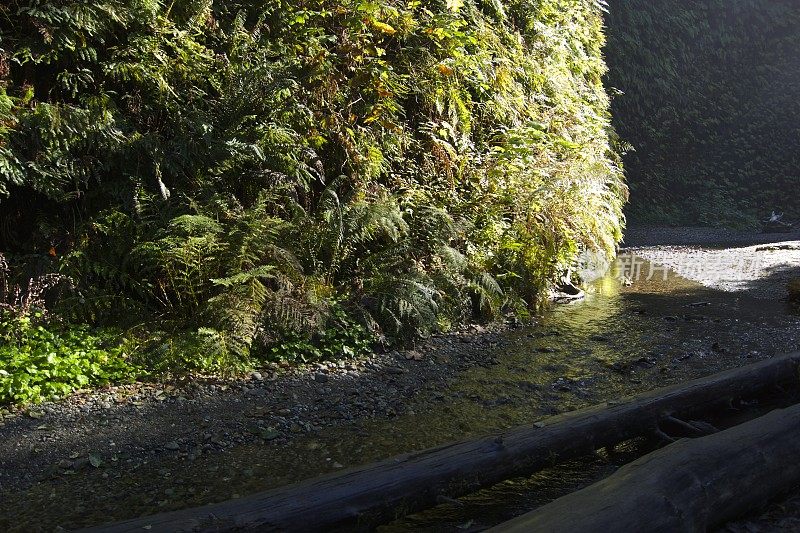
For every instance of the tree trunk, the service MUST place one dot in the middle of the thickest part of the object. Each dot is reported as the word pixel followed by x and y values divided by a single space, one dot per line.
pixel 364 497
pixel 692 485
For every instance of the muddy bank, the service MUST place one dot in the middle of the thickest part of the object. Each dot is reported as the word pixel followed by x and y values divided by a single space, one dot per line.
pixel 139 450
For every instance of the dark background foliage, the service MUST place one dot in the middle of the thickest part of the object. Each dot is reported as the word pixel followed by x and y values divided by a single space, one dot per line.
pixel 710 106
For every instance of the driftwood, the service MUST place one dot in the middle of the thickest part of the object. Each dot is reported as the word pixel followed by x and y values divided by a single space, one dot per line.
pixel 363 497
pixel 692 485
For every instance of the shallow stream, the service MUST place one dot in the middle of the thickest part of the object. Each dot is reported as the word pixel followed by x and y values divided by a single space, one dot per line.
pixel 640 327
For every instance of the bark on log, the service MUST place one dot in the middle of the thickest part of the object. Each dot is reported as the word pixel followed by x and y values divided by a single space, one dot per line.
pixel 364 497
pixel 692 485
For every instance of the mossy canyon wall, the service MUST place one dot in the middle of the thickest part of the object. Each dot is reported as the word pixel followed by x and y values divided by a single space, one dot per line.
pixel 285 177
pixel 710 106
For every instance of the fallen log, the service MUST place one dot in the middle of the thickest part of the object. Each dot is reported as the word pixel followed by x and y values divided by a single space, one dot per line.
pixel 692 485
pixel 366 496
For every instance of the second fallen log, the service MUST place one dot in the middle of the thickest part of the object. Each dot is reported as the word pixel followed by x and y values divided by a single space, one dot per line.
pixel 692 485
pixel 366 496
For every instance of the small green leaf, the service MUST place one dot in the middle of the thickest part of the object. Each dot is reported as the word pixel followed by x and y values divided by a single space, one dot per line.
pixel 270 434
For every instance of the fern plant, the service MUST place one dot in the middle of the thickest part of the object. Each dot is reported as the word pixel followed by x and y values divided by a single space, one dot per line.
pixel 231 179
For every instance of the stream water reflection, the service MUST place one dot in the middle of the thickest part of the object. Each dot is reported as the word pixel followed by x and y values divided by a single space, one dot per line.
pixel 626 336
pixel 631 333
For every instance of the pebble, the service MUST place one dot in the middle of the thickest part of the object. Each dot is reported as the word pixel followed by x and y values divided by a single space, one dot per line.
pixel 80 463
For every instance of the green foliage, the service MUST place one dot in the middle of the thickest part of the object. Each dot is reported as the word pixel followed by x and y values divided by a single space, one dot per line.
pixel 39 362
pixel 342 338
pixel 709 103
pixel 294 179
pixel 204 351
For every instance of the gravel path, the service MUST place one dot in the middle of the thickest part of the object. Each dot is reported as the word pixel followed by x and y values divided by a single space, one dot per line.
pixel 760 264
pixel 138 423
pixel 763 271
